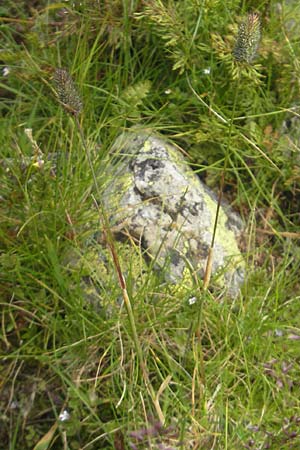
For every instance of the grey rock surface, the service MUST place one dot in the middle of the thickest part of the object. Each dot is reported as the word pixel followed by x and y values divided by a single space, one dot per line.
pixel 289 140
pixel 155 197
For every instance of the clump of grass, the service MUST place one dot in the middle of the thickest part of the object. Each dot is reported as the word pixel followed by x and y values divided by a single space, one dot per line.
pixel 70 99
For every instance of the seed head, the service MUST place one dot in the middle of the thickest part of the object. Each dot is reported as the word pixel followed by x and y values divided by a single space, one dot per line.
pixel 248 39
pixel 67 92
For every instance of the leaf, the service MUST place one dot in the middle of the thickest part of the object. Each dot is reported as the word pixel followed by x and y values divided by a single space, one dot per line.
pixel 135 94
pixel 44 443
pixel 56 6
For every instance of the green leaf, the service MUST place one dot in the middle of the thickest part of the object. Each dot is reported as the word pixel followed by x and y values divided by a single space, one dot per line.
pixel 44 443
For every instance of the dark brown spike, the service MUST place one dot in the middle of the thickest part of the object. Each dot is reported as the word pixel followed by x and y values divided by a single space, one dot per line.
pixel 67 92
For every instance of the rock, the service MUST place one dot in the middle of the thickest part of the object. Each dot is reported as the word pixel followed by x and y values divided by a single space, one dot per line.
pixel 289 139
pixel 155 197
pixel 92 276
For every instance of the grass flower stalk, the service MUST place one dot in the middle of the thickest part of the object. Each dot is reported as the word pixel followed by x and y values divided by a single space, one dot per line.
pixel 69 98
pixel 245 50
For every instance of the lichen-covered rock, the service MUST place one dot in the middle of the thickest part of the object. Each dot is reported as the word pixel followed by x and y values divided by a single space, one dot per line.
pixel 92 274
pixel 289 139
pixel 156 198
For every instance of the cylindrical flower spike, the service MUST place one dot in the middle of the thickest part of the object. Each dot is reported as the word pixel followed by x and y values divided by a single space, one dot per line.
pixel 67 92
pixel 248 39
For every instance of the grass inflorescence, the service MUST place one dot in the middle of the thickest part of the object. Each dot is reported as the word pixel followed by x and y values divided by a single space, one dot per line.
pixel 78 369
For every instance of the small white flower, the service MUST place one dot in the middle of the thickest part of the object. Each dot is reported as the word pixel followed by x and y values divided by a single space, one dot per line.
pixel 168 91
pixel 14 404
pixel 64 416
pixel 192 300
pixel 5 71
pixel 278 332
pixel 207 71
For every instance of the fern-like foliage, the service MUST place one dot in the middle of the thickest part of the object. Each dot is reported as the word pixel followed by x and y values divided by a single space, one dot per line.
pixel 172 21
pixel 132 99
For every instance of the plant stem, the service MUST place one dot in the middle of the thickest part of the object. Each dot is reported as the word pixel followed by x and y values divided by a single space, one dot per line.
pixel 209 261
pixel 116 262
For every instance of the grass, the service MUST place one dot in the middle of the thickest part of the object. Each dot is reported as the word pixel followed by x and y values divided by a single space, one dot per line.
pixel 224 373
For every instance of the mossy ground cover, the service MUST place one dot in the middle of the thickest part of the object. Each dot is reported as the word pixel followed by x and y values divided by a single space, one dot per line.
pixel 224 372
